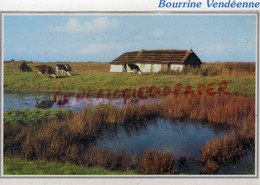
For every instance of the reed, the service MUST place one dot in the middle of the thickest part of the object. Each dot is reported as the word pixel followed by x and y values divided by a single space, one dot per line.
pixel 72 140
pixel 155 162
pixel 239 68
pixel 236 111
pixel 222 69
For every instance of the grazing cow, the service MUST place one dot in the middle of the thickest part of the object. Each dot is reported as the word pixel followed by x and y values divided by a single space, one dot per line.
pixel 134 68
pixel 25 68
pixel 63 68
pixel 44 69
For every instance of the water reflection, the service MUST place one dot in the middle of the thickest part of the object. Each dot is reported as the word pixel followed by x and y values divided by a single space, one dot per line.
pixel 181 137
pixel 46 103
pixel 51 101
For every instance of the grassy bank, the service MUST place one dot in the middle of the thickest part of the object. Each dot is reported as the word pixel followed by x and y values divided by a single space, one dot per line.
pixel 15 166
pixel 34 117
pixel 27 82
pixel 15 121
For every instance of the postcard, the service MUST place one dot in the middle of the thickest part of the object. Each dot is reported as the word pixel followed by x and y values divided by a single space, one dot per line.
pixel 170 93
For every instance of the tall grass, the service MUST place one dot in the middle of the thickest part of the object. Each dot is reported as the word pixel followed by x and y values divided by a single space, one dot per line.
pixel 236 111
pixel 225 69
pixel 244 69
pixel 18 122
pixel 73 140
pixel 155 162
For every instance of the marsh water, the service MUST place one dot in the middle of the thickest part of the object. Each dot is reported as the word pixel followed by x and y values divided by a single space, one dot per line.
pixel 180 137
pixel 34 101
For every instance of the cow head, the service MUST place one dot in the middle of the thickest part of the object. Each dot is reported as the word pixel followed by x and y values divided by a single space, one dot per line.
pixel 68 67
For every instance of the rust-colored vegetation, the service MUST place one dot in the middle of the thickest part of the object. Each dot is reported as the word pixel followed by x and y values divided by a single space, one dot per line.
pixel 219 69
pixel 72 140
pixel 155 162
pixel 238 69
pixel 236 111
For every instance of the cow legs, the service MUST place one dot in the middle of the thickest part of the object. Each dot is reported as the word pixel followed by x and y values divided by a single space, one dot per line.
pixel 68 73
pixel 57 71
pixel 37 73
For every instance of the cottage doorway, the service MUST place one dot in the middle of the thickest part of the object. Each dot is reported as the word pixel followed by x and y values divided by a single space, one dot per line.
pixel 165 67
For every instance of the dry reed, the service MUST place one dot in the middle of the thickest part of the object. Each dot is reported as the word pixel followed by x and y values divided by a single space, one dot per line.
pixel 72 140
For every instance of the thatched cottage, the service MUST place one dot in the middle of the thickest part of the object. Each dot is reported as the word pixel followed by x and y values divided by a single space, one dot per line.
pixel 156 60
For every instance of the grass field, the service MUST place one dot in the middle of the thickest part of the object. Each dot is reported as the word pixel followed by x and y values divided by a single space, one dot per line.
pixel 15 166
pixel 26 82
pixel 240 78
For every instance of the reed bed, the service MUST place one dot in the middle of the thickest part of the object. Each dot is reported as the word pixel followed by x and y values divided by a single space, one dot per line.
pixel 73 139
pixel 238 68
pixel 236 111
pixel 222 69
pixel 155 162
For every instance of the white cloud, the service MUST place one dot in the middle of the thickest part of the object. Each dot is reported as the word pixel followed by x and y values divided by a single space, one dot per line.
pixel 106 48
pixel 139 37
pixel 216 48
pixel 157 33
pixel 239 45
pixel 54 50
pixel 96 25
pixel 23 50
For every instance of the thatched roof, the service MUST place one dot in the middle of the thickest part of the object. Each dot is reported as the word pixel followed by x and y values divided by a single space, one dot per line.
pixel 154 57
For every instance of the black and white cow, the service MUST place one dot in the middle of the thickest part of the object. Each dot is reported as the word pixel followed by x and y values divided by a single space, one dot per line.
pixel 63 68
pixel 134 68
pixel 44 69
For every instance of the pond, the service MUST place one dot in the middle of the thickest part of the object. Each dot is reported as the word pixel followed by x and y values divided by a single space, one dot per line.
pixel 182 138
pixel 179 137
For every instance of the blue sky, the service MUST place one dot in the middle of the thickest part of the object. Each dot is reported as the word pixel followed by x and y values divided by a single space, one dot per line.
pixel 50 38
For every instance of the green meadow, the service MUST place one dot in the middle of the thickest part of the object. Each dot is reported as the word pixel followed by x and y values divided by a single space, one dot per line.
pixel 27 82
